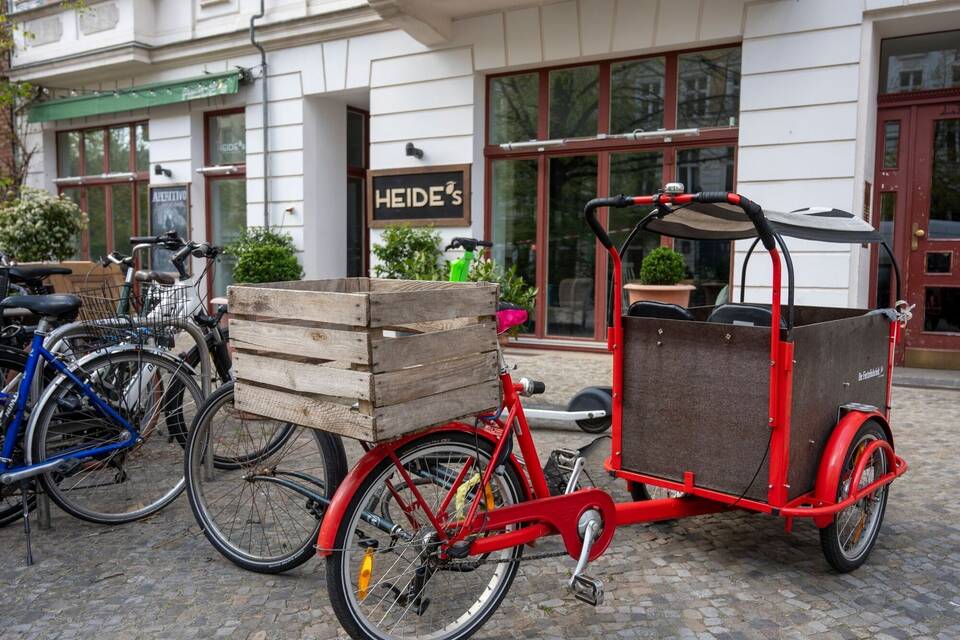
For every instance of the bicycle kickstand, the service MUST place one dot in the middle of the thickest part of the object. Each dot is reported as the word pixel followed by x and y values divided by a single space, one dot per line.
pixel 25 502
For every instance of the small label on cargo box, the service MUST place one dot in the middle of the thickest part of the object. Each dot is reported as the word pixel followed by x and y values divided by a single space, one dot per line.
pixel 876 372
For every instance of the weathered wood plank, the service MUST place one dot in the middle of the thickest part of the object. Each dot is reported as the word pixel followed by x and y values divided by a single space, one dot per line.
pixel 405 307
pixel 303 378
pixel 390 354
pixel 311 342
pixel 385 285
pixel 408 384
pixel 304 410
pixel 337 308
pixel 399 419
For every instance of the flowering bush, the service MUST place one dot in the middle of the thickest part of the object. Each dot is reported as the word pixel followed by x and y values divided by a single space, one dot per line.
pixel 40 226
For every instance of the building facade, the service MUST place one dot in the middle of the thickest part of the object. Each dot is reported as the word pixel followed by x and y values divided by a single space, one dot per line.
pixel 527 110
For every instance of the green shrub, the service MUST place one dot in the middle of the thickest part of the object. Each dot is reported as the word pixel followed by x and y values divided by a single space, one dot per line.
pixel 264 255
pixel 662 266
pixel 513 288
pixel 40 226
pixel 409 253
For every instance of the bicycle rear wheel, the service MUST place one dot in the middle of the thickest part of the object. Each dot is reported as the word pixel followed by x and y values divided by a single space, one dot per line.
pixel 130 482
pixel 395 585
pixel 260 497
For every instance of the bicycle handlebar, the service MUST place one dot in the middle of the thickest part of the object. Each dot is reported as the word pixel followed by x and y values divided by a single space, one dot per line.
pixel 752 210
pixel 468 244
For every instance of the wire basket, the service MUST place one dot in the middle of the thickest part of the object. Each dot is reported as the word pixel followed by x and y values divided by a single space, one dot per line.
pixel 145 314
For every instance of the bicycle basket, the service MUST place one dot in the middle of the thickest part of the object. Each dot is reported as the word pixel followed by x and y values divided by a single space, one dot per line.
pixel 140 315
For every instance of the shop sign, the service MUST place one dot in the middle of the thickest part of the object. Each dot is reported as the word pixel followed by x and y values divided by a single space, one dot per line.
pixel 431 195
pixel 169 210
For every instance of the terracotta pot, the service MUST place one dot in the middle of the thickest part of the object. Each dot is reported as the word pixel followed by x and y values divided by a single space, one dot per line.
pixel 668 293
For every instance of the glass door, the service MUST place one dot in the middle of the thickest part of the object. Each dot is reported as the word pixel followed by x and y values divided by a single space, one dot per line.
pixel 228 219
pixel 571 247
pixel 513 208
pixel 934 238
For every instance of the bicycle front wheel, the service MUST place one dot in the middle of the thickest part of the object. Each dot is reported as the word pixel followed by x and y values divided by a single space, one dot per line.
pixel 259 498
pixel 132 481
pixel 388 580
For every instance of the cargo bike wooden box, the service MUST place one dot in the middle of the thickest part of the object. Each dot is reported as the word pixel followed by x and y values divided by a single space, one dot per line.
pixel 365 358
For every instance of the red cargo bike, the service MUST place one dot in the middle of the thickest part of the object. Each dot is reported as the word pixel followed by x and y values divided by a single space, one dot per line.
pixel 777 408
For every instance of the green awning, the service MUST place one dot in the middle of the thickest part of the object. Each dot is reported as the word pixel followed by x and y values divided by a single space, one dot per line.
pixel 148 95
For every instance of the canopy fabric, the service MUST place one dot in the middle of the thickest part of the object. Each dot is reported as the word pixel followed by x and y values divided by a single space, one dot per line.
pixel 700 221
pixel 150 95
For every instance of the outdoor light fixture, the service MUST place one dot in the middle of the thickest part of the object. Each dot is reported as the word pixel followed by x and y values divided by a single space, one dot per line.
pixel 413 151
pixel 160 171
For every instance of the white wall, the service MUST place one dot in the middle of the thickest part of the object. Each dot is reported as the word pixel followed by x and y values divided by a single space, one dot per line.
pixel 325 188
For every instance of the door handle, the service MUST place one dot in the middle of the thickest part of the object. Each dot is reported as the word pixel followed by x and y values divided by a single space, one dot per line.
pixel 916 234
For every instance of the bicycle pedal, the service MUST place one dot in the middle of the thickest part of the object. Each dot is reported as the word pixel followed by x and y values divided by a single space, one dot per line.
pixel 566 458
pixel 587 589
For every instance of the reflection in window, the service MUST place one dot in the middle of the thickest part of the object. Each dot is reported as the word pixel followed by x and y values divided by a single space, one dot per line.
pixel 142 134
pixel 571 247
pixel 945 188
pixel 708 261
pixel 68 153
pixel 513 208
pixel 227 138
pixel 93 152
pixel 888 210
pixel 920 63
pixel 633 174
pixel 939 262
pixel 891 143
pixel 941 309
pixel 514 102
pixel 636 95
pixel 573 102
pixel 708 88
pixel 119 152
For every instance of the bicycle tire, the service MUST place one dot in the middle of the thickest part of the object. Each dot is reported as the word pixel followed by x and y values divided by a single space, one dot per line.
pixel 170 464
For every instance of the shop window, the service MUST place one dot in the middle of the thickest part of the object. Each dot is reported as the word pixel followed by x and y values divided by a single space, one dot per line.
pixel 636 95
pixel 513 209
pixel 514 105
pixel 226 192
pixel 633 173
pixel 709 88
pixel 111 163
pixel 920 63
pixel 574 102
pixel 708 261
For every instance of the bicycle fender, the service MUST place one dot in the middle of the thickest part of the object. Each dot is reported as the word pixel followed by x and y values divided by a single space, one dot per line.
pixel 831 463
pixel 334 513
pixel 62 379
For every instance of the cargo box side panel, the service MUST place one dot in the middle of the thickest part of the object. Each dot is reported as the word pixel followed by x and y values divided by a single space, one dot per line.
pixel 696 399
pixel 837 362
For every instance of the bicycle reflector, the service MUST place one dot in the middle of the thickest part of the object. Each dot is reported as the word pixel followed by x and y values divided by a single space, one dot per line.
pixel 366 570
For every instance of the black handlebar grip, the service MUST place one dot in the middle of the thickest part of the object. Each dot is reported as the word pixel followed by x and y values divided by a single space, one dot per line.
pixel 595 226
pixel 144 240
pixel 537 387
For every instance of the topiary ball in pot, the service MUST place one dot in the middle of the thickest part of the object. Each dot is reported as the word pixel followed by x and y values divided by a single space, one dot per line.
pixel 264 255
pixel 661 272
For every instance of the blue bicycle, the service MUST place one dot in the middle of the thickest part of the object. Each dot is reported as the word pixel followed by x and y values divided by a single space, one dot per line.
pixel 100 438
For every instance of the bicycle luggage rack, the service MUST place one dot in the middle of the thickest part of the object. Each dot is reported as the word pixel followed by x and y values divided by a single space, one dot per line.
pixel 365 358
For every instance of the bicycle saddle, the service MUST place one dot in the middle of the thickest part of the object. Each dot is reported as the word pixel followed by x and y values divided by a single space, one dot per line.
pixel 54 305
pixel 27 274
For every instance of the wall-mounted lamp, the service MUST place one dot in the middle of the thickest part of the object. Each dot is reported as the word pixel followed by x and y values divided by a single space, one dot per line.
pixel 413 151
pixel 160 171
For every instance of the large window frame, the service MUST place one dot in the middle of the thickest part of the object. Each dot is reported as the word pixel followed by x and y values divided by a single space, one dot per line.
pixel 602 148
pixel 104 178
pixel 238 171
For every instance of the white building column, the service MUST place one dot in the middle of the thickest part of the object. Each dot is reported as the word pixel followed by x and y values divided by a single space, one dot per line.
pixel 324 188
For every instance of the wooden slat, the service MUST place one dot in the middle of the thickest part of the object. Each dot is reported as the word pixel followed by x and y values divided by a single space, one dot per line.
pixel 304 410
pixel 390 309
pixel 336 308
pixel 390 354
pixel 303 378
pixel 399 419
pixel 385 285
pixel 311 342
pixel 407 384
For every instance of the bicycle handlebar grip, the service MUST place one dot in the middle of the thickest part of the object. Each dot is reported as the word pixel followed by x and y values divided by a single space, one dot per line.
pixel 144 240
pixel 597 228
pixel 751 208
pixel 537 387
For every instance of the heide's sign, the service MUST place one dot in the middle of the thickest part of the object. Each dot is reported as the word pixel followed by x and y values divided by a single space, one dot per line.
pixel 432 195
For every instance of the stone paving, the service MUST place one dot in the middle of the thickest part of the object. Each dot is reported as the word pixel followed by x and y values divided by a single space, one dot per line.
pixel 730 575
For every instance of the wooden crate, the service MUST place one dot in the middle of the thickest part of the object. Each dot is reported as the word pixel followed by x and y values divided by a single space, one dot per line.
pixel 365 358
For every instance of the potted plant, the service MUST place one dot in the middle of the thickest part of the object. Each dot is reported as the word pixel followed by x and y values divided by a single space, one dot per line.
pixel 264 255
pixel 660 275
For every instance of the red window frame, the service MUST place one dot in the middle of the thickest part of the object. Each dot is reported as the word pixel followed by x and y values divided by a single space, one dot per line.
pixel 95 179
pixel 712 137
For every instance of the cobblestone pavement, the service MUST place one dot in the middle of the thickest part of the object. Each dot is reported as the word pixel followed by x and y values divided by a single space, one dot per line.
pixel 730 575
